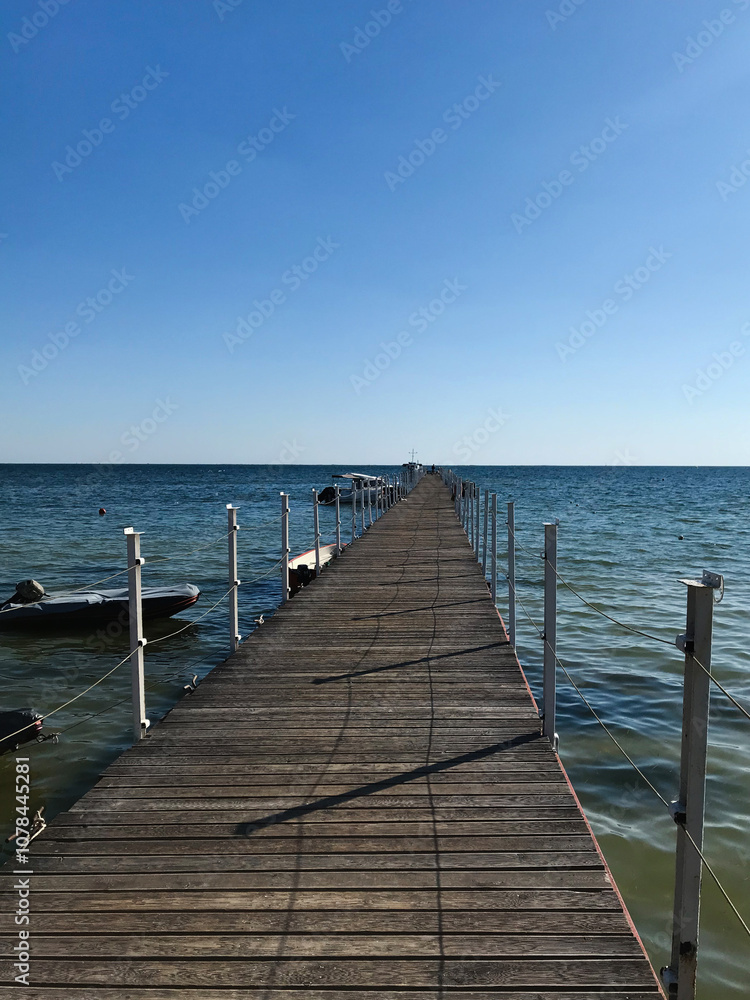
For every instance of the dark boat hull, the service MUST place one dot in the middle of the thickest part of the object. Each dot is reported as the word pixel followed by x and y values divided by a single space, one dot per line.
pixel 74 615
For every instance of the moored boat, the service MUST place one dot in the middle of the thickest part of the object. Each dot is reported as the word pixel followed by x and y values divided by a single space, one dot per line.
pixel 353 485
pixel 93 606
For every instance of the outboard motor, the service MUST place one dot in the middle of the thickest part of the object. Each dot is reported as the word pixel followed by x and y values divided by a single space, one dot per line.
pixel 30 726
pixel 27 592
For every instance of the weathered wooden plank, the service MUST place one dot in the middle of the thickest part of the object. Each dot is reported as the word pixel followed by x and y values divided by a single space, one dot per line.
pixel 339 945
pixel 397 861
pixel 295 921
pixel 128 993
pixel 390 973
pixel 317 845
pixel 376 899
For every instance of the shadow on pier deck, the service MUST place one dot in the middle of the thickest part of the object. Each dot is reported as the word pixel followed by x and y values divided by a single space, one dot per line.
pixel 357 804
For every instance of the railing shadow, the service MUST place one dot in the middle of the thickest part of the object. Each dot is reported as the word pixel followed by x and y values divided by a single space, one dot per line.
pixel 406 663
pixel 331 801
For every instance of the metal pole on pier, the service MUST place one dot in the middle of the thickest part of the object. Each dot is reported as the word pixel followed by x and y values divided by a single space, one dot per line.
pixel 338 520
pixel 550 634
pixel 316 526
pixel 493 561
pixel 284 548
pixel 486 526
pixel 689 811
pixel 369 504
pixel 363 511
pixel 354 512
pixel 137 640
pixel 472 503
pixel 234 583
pixel 512 572
pixel 477 533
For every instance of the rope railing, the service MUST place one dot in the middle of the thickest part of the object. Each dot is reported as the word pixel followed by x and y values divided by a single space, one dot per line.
pixel 639 771
pixel 654 638
pixel 151 560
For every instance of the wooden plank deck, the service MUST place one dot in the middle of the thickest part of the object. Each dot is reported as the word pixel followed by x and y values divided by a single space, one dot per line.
pixel 357 804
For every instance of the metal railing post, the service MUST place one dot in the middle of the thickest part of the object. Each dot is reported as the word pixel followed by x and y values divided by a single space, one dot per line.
pixel 137 640
pixel 486 526
pixel 234 583
pixel 512 572
pixel 363 511
pixel 493 560
pixel 550 634
pixel 284 548
pixel 316 527
pixel 369 505
pixel 477 533
pixel 354 512
pixel 338 520
pixel 470 513
pixel 689 811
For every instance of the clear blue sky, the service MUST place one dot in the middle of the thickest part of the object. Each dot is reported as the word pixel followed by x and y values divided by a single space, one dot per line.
pixel 489 101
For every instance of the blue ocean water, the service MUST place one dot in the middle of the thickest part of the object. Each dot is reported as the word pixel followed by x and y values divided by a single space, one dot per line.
pixel 619 546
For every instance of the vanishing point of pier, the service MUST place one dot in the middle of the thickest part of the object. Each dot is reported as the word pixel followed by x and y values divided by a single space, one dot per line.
pixel 358 803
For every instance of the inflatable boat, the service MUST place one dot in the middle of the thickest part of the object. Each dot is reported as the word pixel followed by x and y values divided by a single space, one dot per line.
pixel 89 607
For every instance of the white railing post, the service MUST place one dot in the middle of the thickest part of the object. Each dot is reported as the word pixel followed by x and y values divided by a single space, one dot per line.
pixel 493 558
pixel 689 811
pixel 550 633
pixel 471 514
pixel 316 527
pixel 477 534
pixel 234 583
pixel 512 572
pixel 486 526
pixel 369 505
pixel 363 512
pixel 284 548
pixel 137 640
pixel 338 520
pixel 354 512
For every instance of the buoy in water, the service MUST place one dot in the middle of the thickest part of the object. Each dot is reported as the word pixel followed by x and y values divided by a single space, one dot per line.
pixel 102 511
pixel 680 538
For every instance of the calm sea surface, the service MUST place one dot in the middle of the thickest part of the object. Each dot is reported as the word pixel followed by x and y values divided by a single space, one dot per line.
pixel 618 545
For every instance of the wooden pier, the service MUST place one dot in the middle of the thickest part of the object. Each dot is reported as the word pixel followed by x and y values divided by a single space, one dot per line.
pixel 357 804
